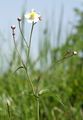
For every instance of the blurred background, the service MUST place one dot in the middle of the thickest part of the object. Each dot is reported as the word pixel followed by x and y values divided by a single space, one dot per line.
pixel 56 12
pixel 52 60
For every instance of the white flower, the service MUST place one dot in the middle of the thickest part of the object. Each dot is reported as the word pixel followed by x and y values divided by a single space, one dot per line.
pixel 32 16
pixel 75 52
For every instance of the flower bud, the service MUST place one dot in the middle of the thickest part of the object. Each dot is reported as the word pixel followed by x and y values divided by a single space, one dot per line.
pixel 13 27
pixel 19 19
pixel 75 52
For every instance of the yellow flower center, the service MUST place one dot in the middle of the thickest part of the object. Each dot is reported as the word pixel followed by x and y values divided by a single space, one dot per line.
pixel 32 15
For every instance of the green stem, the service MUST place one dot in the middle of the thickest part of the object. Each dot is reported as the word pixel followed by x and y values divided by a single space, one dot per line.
pixel 37 98
pixel 9 114
pixel 38 108
pixel 23 39
pixel 30 39
pixel 29 46
pixel 17 50
pixel 30 81
pixel 22 34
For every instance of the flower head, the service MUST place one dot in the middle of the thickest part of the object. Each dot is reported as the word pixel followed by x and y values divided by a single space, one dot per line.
pixel 75 52
pixel 32 16
pixel 13 27
pixel 19 19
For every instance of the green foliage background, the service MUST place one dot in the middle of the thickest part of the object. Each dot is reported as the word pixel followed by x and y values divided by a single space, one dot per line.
pixel 60 84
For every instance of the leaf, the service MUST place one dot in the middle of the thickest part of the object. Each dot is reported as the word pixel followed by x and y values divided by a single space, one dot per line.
pixel 18 69
pixel 43 91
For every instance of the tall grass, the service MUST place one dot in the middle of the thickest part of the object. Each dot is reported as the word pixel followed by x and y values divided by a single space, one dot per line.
pixel 58 84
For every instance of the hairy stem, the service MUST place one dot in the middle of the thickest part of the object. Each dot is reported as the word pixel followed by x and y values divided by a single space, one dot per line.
pixel 17 50
pixel 37 108
pixel 30 81
pixel 22 34
pixel 30 39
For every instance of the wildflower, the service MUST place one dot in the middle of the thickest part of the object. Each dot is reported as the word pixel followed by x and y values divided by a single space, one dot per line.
pixel 13 27
pixel 32 17
pixel 19 19
pixel 75 52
